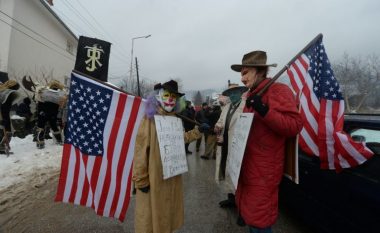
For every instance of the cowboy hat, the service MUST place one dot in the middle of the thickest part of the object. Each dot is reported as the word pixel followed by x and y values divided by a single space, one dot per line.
pixel 253 59
pixel 238 90
pixel 171 86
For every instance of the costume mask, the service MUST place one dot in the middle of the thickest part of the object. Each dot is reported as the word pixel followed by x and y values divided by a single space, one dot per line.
pixel 166 99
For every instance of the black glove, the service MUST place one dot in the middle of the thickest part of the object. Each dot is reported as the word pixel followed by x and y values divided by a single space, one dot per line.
pixel 203 127
pixel 145 189
pixel 256 103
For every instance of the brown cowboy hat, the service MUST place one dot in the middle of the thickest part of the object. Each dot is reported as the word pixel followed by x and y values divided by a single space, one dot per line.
pixel 253 59
pixel 171 86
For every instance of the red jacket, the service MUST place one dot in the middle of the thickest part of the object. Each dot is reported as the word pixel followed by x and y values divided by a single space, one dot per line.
pixel 263 162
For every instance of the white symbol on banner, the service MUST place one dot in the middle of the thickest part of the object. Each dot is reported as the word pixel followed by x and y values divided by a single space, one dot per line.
pixel 93 54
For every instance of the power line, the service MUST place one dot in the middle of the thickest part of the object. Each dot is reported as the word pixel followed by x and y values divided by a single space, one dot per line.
pixel 94 29
pixel 44 37
pixel 37 40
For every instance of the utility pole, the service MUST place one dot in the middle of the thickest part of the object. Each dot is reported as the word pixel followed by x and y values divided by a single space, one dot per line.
pixel 138 79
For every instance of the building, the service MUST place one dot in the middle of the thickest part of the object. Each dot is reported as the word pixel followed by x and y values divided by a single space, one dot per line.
pixel 35 42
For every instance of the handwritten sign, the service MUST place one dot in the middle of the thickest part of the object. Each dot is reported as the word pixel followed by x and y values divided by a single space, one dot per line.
pixel 172 147
pixel 239 141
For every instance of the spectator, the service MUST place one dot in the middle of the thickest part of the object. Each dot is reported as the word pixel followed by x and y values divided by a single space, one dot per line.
pixel 225 129
pixel 210 143
pixel 189 112
pixel 200 117
pixel 275 119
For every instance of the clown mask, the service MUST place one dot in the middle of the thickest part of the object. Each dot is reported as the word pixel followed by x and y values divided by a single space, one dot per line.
pixel 166 99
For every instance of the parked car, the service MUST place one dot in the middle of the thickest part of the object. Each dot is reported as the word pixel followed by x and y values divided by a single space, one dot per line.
pixel 348 201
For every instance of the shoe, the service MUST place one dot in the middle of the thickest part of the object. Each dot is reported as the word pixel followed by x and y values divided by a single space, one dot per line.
pixel 189 152
pixel 227 204
pixel 204 157
pixel 240 221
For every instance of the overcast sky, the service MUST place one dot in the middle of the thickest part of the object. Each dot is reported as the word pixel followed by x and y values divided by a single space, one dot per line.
pixel 198 40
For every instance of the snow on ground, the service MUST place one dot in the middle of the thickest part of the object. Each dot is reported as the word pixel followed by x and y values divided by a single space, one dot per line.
pixel 27 161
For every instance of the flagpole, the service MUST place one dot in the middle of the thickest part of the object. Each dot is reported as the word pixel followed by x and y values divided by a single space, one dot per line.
pixel 319 36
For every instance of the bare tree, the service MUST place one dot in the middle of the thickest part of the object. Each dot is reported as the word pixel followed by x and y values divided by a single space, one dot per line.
pixel 359 79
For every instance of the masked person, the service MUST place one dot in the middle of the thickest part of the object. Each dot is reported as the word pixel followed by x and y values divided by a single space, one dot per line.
pixel 159 202
pixel 276 118
pixel 224 128
pixel 7 95
pixel 48 104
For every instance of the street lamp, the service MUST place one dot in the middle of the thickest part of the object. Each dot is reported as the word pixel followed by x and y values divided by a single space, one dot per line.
pixel 134 38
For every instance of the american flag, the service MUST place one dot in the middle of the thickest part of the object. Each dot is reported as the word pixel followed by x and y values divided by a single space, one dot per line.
pixel 99 145
pixel 322 109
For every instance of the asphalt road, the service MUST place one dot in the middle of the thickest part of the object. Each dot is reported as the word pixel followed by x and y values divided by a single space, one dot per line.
pixel 33 209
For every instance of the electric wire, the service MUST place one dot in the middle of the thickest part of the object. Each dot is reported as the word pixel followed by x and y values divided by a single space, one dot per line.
pixel 37 40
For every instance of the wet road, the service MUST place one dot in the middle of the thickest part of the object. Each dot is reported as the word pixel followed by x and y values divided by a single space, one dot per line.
pixel 37 212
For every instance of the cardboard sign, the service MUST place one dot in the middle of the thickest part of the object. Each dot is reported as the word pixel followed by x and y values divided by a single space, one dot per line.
pixel 291 159
pixel 239 141
pixel 172 145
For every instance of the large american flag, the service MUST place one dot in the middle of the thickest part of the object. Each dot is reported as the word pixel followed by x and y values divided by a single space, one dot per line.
pixel 322 109
pixel 99 145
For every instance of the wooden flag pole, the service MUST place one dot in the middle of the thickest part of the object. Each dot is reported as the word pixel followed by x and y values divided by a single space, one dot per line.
pixel 319 36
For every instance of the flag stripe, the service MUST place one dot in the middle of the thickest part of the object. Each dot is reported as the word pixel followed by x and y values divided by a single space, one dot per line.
pixel 126 178
pixel 64 172
pixel 124 151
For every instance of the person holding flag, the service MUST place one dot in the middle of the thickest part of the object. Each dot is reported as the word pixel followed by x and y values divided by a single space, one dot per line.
pixel 276 118
pixel 159 202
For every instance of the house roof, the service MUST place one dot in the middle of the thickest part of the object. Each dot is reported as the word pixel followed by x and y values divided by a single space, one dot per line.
pixel 46 5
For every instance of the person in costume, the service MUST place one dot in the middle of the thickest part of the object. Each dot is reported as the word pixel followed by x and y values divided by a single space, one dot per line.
pixel 159 202
pixel 8 94
pixel 47 110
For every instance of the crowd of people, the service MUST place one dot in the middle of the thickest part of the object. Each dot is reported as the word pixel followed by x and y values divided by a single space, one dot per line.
pixel 159 202
pixel 19 118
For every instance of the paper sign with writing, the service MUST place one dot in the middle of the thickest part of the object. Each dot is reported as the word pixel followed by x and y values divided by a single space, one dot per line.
pixel 172 147
pixel 239 141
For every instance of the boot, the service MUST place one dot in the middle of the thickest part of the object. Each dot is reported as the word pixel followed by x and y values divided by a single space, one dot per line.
pixel 58 137
pixel 5 140
pixel 40 138
pixel 229 203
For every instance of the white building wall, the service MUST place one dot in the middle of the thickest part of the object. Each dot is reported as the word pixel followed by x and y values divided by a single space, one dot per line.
pixel 5 33
pixel 45 54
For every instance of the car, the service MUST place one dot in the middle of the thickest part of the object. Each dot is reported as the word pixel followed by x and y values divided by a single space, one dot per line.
pixel 348 201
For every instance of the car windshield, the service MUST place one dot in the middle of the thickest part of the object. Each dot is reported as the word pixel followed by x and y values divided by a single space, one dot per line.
pixel 366 135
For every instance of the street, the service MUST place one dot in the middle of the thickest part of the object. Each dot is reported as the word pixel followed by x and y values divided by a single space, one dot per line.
pixel 33 208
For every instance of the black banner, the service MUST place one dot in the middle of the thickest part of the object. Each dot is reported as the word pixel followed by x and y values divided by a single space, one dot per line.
pixel 3 77
pixel 92 57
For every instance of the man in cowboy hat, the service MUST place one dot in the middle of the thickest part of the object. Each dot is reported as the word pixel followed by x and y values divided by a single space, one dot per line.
pixel 224 128
pixel 275 119
pixel 159 201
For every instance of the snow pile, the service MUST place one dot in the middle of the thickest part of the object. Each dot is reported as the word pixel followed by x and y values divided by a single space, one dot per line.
pixel 28 163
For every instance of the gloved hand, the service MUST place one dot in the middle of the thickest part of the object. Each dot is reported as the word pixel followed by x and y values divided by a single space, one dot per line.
pixel 145 189
pixel 256 103
pixel 204 127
